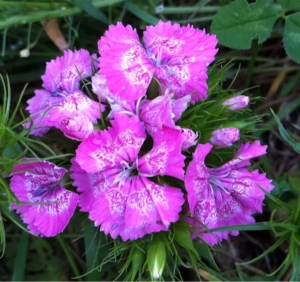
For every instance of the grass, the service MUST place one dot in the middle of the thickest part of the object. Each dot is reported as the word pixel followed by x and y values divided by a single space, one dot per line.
pixel 267 250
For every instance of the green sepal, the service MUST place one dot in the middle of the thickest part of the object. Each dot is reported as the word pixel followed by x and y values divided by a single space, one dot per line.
pixel 156 256
pixel 183 237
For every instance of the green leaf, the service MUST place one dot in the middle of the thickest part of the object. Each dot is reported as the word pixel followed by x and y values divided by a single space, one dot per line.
pixel 284 134
pixel 141 14
pixel 291 36
pixel 294 180
pixel 183 237
pixel 91 252
pixel 90 9
pixel 239 22
pixel 281 185
pixel 289 5
pixel 20 262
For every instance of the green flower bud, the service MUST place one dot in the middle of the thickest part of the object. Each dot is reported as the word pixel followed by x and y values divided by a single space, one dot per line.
pixel 237 124
pixel 138 258
pixel 156 258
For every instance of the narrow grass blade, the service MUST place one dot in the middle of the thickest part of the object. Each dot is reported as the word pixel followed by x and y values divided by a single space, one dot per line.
pixel 91 10
pixel 271 249
pixel 42 15
pixel 141 14
pixel 20 262
pixel 68 255
pixel 258 226
pixel 285 135
pixel 91 252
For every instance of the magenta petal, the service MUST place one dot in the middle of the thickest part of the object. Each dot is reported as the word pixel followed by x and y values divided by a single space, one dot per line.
pixel 137 208
pixel 124 63
pixel 53 213
pixel 97 152
pixel 237 103
pixel 224 137
pixel 189 138
pixel 224 196
pixel 40 108
pixel 76 104
pixel 181 55
pixel 77 128
pixel 197 175
pixel 179 106
pixel 246 152
pixel 249 151
pixel 151 207
pixel 184 79
pixel 165 158
pixel 107 149
pixel 46 206
pixel 186 42
pixel 230 212
pixel 108 209
pixel 64 73
pixel 157 112
pixel 90 185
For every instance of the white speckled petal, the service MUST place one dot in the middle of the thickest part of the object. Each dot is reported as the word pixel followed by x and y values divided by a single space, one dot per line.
pixel 124 63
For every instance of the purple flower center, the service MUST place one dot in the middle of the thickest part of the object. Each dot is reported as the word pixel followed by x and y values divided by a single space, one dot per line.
pixel 217 181
pixel 59 93
pixel 163 69
pixel 129 169
pixel 43 190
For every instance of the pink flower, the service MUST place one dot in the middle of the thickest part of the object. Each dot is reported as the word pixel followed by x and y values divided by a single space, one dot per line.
pixel 64 73
pixel 47 111
pixel 237 103
pixel 227 195
pixel 163 111
pixel 113 181
pixel 45 205
pixel 177 56
pixel 189 138
pixel 62 98
pixel 224 137
pixel 77 128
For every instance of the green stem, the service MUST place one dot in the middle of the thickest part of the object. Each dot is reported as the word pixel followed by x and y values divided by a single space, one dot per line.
pixel 187 10
pixel 20 262
pixel 45 15
pixel 32 5
pixel 4 42
pixel 252 64
pixel 68 255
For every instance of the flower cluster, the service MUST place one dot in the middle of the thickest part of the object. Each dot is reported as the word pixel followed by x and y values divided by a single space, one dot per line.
pixel 122 172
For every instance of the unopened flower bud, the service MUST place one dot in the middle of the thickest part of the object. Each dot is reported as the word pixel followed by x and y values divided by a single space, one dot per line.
pixel 224 137
pixel 99 87
pixel 188 138
pixel 77 128
pixel 237 102
pixel 137 258
pixel 156 258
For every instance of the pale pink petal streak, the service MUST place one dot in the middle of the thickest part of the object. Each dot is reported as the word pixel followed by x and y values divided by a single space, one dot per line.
pixel 64 73
pixel 124 62
pixel 165 158
pixel 110 148
pixel 181 55
pixel 45 205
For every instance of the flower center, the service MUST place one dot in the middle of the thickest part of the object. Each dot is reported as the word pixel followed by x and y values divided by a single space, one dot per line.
pixel 43 190
pixel 129 170
pixel 217 181
pixel 59 93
